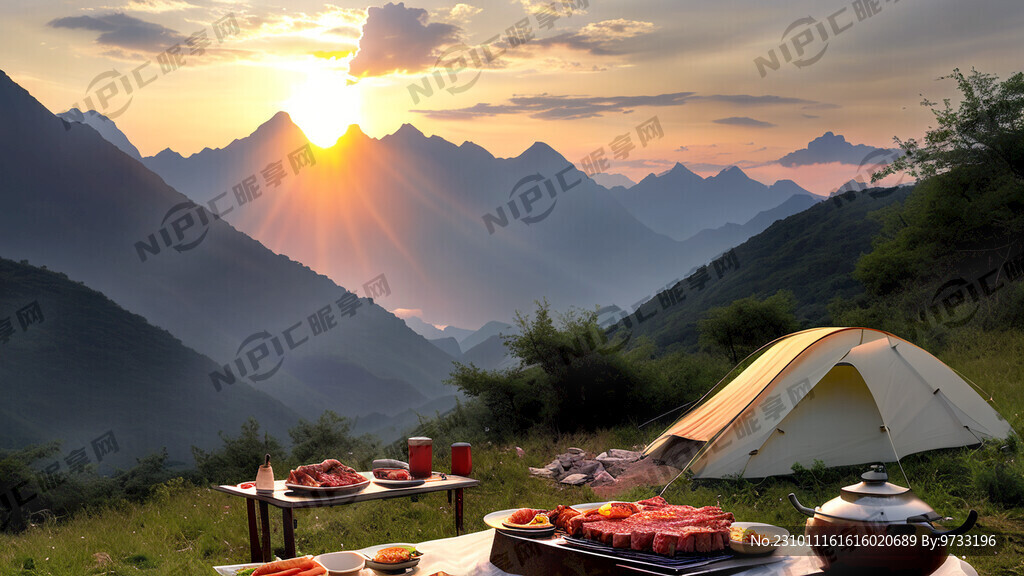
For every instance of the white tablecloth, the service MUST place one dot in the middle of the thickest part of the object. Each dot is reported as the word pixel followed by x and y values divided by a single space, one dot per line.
pixel 469 555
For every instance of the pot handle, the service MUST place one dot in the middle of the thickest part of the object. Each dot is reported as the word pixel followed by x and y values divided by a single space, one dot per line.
pixel 804 509
pixel 972 517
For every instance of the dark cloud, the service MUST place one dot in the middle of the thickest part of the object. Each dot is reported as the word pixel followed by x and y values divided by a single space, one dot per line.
pixel 399 39
pixel 682 149
pixel 830 147
pixel 561 107
pixel 123 31
pixel 743 121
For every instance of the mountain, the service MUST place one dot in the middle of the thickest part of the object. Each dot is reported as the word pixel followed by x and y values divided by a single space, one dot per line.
pixel 612 180
pixel 106 128
pixel 812 253
pixel 831 147
pixel 431 332
pixel 491 354
pixel 680 203
pixel 460 234
pixel 86 366
pixel 492 328
pixel 449 345
pixel 104 219
pixel 718 240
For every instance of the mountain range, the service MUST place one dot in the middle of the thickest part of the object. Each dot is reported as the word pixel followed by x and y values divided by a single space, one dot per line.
pixel 84 366
pixel 460 234
pixel 75 203
pixel 680 203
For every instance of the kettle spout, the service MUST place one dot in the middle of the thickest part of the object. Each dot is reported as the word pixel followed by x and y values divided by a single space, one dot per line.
pixel 800 507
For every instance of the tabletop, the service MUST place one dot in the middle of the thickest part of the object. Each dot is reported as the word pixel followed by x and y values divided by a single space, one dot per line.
pixel 284 497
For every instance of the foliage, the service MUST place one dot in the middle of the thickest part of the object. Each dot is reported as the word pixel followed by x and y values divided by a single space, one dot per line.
pixel 986 131
pixel 240 457
pixel 330 437
pixel 747 324
pixel 573 378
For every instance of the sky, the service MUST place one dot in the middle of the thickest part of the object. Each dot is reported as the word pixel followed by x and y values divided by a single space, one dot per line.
pixel 580 75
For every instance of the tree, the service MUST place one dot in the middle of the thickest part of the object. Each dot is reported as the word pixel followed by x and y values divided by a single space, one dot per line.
pixel 987 130
pixel 241 456
pixel 745 325
pixel 329 437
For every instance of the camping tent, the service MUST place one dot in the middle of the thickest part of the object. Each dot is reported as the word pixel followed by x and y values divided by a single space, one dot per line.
pixel 840 395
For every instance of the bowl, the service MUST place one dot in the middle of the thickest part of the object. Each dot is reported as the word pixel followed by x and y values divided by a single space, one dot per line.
pixel 770 535
pixel 341 562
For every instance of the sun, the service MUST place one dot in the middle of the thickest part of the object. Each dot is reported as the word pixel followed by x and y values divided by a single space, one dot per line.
pixel 325 105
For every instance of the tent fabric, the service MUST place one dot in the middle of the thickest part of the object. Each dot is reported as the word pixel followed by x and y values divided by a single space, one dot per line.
pixel 839 395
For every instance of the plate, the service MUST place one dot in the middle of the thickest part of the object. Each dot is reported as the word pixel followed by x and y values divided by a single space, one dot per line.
pixel 401 566
pixel 398 483
pixel 773 533
pixel 497 519
pixel 329 489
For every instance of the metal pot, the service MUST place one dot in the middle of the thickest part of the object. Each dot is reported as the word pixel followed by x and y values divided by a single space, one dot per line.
pixel 878 526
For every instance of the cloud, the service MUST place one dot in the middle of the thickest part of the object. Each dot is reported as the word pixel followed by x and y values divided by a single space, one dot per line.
pixel 404 313
pixel 831 147
pixel 743 121
pixel 608 37
pixel 549 107
pixel 399 39
pixel 463 12
pixel 682 149
pixel 158 6
pixel 122 31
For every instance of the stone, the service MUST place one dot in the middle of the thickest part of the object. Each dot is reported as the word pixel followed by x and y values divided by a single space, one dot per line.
pixel 542 473
pixel 627 455
pixel 574 479
pixel 555 466
pixel 588 467
pixel 577 457
pixel 602 478
pixel 575 451
pixel 520 452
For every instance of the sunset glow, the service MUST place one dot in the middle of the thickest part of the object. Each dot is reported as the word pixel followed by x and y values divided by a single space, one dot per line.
pixel 325 105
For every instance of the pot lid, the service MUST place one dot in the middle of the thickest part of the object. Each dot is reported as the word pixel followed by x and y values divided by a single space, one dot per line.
pixel 875 499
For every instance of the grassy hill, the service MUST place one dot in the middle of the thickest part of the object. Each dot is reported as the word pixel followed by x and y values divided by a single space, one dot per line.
pixel 813 254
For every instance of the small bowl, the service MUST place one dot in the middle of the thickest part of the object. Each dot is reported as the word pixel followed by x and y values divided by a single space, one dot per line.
pixel 341 562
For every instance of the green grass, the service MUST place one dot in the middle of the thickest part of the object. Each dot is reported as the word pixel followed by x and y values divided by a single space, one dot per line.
pixel 186 530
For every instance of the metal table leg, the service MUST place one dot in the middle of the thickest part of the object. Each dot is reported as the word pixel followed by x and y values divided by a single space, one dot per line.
pixel 255 555
pixel 458 511
pixel 289 532
pixel 265 527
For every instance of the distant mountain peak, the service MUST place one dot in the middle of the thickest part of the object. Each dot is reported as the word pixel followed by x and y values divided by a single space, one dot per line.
pixel 408 131
pixel 831 147
pixel 106 128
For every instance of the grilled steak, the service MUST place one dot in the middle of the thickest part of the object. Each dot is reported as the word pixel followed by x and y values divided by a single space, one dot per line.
pixel 658 526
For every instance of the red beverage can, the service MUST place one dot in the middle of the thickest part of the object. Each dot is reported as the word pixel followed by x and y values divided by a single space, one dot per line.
pixel 421 456
pixel 462 459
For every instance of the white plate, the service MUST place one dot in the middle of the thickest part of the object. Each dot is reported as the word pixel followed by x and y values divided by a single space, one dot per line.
pixel 329 489
pixel 772 533
pixel 398 483
pixel 372 551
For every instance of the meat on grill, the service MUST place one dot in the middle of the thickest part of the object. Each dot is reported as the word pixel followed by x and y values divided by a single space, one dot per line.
pixel 658 526
pixel 329 473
